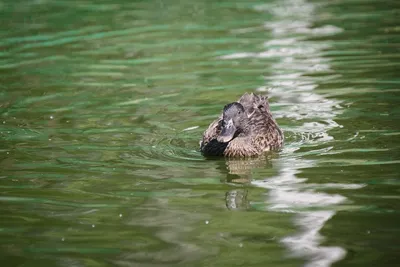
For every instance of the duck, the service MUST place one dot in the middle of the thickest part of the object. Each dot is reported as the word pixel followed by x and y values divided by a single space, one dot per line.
pixel 245 128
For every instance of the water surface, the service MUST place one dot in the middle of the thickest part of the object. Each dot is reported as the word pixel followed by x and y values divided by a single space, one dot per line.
pixel 103 105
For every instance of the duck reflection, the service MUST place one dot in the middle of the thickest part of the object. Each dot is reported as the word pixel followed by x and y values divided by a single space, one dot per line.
pixel 237 199
pixel 243 167
pixel 239 171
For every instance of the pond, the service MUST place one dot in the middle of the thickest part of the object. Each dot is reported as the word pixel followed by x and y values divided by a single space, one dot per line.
pixel 103 104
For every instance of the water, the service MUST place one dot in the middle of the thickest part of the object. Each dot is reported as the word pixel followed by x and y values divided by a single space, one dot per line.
pixel 103 105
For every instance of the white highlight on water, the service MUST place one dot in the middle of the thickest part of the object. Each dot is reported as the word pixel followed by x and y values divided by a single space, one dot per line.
pixel 190 128
pixel 287 193
pixel 290 82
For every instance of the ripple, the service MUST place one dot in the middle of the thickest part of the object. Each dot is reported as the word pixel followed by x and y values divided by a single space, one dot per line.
pixel 104 105
pixel 166 151
pixel 316 115
pixel 176 149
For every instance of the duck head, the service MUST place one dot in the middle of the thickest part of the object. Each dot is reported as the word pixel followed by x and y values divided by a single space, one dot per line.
pixel 234 121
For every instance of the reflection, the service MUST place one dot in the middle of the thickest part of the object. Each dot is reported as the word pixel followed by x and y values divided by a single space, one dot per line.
pixel 239 171
pixel 299 58
pixel 243 167
pixel 293 83
pixel 307 242
pixel 237 199
pixel 287 193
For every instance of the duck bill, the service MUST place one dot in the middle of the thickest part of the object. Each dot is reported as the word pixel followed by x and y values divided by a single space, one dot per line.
pixel 227 132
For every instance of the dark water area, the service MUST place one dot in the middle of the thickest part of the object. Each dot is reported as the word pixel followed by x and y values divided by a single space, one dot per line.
pixel 103 104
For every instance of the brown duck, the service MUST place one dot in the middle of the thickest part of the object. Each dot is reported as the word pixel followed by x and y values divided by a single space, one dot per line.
pixel 245 128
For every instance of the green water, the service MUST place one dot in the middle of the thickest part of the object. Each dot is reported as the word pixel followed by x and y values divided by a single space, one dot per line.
pixel 103 104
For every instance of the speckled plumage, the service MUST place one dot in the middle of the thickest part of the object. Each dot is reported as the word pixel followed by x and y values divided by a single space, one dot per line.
pixel 262 132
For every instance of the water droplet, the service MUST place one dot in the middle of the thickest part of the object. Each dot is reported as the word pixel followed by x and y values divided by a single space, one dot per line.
pixel 63 239
pixel 51 117
pixel 93 226
pixel 4 122
pixel 207 222
pixel 241 245
pixel 120 215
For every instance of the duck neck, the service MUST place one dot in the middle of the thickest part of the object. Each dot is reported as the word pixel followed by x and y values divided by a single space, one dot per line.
pixel 245 128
